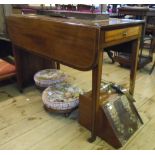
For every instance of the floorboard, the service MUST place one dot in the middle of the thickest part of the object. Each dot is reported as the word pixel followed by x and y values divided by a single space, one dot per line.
pixel 24 124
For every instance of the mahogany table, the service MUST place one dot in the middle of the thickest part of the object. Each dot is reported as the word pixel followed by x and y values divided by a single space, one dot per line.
pixel 76 43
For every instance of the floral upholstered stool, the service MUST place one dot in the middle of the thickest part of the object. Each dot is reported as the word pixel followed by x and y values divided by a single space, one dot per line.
pixel 48 77
pixel 7 70
pixel 61 98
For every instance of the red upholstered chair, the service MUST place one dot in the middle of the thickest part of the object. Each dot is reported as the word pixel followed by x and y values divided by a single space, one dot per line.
pixel 7 70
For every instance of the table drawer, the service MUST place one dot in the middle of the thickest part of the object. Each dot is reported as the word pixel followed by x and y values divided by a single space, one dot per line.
pixel 113 35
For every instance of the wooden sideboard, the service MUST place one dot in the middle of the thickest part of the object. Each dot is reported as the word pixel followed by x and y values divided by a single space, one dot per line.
pixel 73 42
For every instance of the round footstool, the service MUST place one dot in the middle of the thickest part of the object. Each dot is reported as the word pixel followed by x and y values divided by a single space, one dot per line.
pixel 48 77
pixel 61 98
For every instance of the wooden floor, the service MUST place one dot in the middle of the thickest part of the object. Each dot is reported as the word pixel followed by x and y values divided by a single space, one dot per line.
pixel 24 124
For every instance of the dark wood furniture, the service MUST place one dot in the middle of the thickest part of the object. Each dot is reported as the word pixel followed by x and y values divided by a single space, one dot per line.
pixel 72 42
pixel 84 7
pixel 117 117
pixel 70 7
pixel 7 64
pixel 74 14
pixel 5 47
pixel 137 13
pixel 7 67
pixel 5 44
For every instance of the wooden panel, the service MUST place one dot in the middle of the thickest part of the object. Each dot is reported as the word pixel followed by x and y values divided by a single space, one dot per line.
pixel 74 45
pixel 122 33
pixel 28 64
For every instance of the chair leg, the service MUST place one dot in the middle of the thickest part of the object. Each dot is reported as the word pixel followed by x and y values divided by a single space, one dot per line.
pixel 152 68
pixel 110 54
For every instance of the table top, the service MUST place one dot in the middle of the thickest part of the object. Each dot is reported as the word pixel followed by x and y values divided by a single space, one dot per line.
pixel 72 42
pixel 111 22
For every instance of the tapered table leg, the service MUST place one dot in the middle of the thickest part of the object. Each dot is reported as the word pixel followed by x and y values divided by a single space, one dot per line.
pixel 96 80
pixel 134 61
